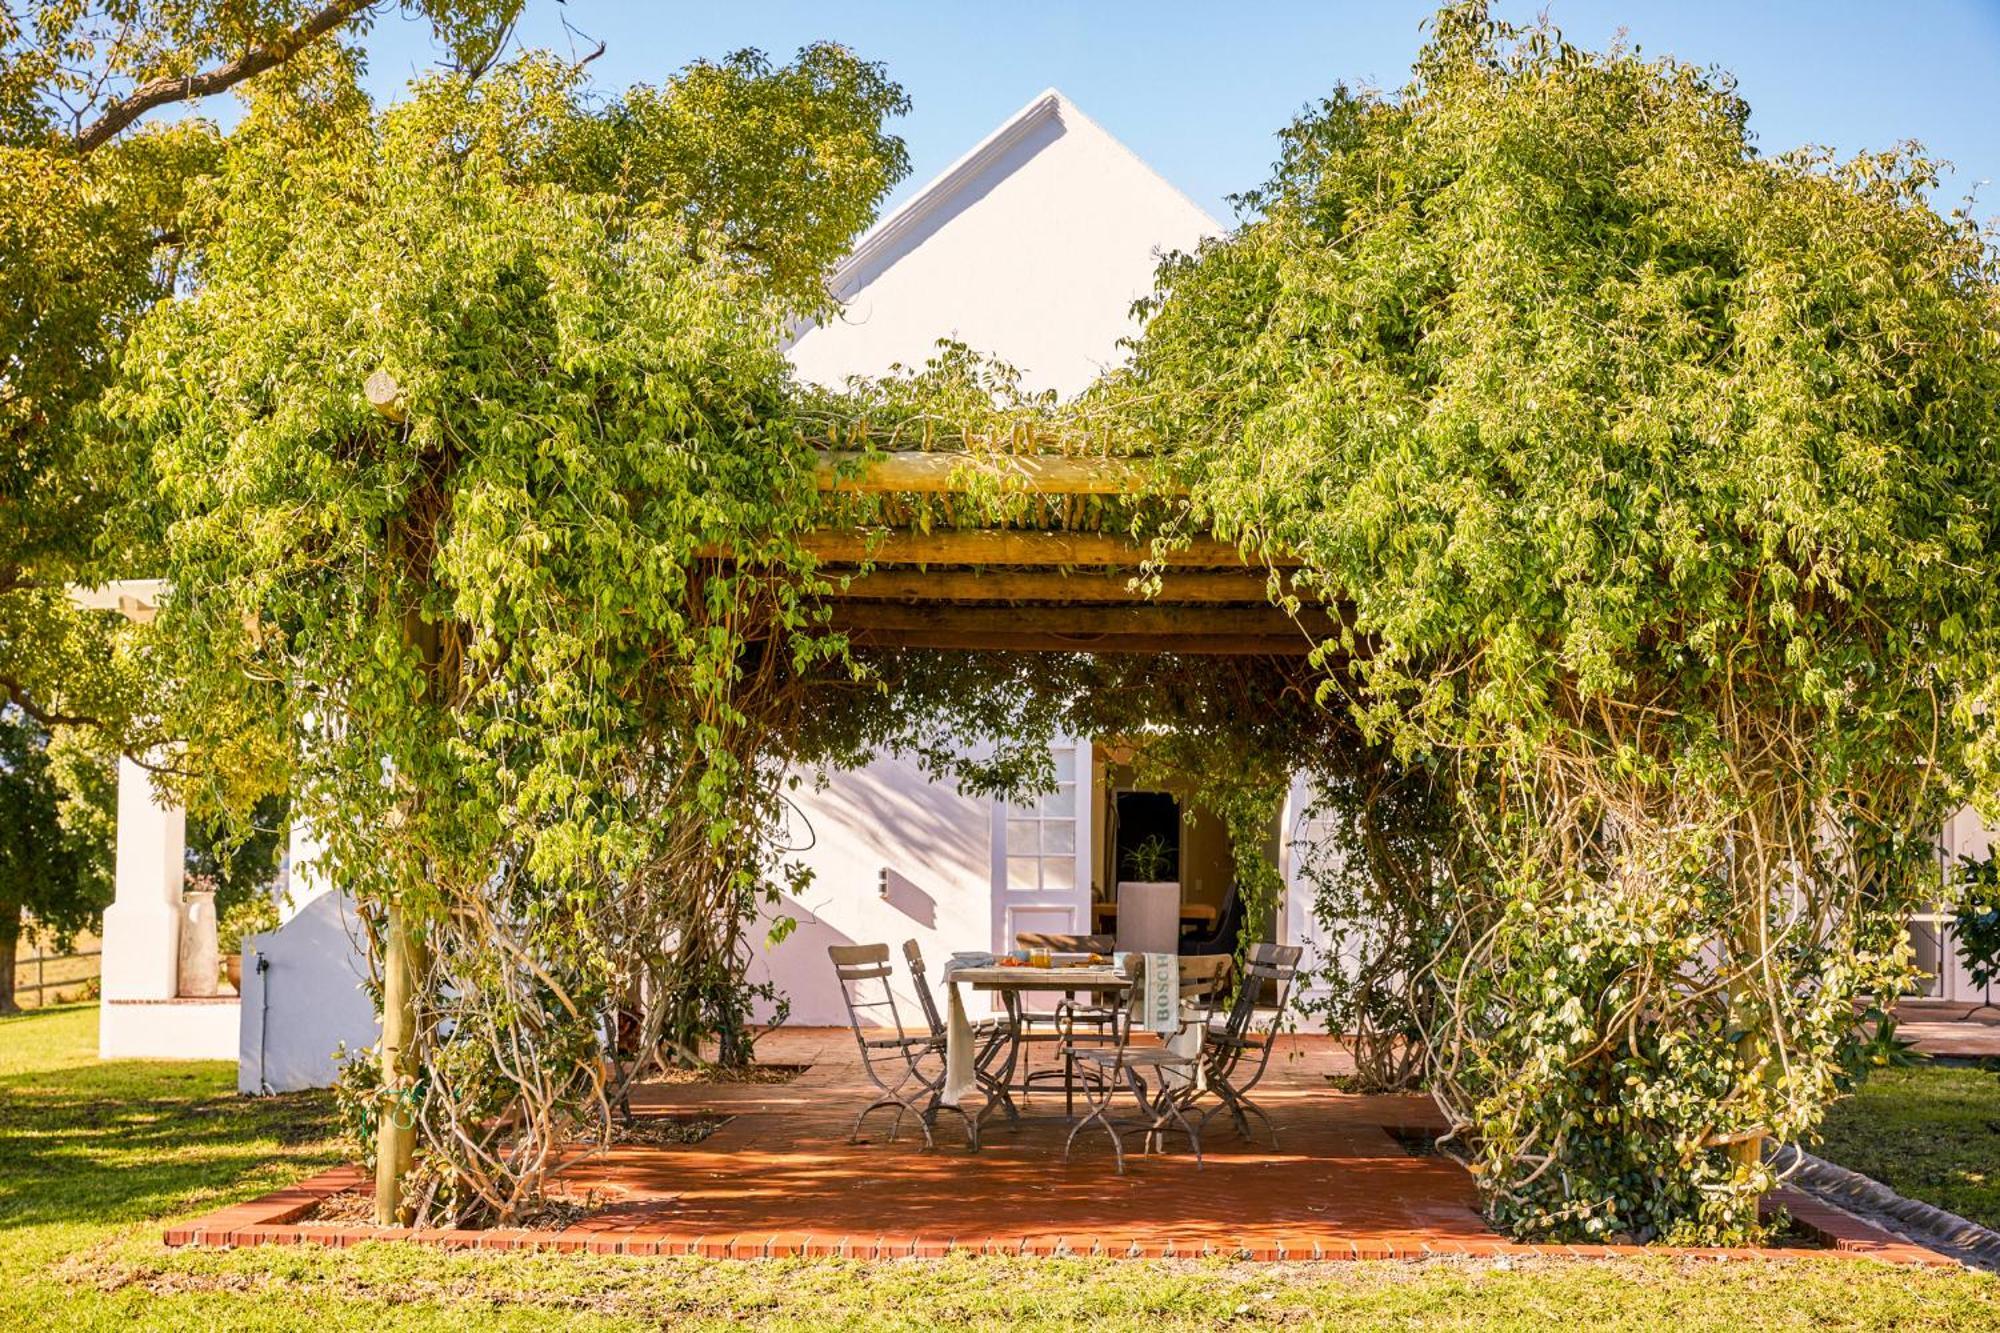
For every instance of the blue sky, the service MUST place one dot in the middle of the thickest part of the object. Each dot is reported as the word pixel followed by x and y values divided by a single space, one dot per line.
pixel 1198 89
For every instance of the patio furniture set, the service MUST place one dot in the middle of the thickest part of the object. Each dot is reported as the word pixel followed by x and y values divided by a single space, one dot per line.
pixel 1181 1036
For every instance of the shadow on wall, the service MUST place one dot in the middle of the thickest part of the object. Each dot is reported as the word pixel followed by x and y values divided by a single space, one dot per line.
pixel 799 967
pixel 902 893
pixel 894 856
pixel 904 818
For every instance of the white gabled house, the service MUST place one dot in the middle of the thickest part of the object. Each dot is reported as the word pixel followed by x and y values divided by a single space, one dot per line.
pixel 1032 247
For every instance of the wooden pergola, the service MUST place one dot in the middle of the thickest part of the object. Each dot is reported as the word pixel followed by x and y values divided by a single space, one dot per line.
pixel 1029 590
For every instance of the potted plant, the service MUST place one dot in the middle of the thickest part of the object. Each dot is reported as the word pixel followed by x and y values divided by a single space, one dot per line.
pixel 1148 902
pixel 1147 861
pixel 253 915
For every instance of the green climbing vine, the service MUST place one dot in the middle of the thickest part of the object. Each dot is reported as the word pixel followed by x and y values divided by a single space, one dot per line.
pixel 1656 478
pixel 1649 483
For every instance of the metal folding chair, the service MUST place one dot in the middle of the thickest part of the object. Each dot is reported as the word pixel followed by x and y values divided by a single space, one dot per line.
pixel 1234 1054
pixel 1174 1077
pixel 1071 1024
pixel 895 1065
pixel 990 1037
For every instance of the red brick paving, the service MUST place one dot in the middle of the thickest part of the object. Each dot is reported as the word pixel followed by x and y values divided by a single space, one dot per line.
pixel 780 1178
pixel 1948 1027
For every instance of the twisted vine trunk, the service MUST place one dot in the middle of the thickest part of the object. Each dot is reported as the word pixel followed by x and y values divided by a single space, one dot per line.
pixel 403 964
pixel 396 1135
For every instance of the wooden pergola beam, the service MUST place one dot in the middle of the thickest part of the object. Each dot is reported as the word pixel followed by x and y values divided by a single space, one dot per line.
pixel 940 471
pixel 1001 546
pixel 1161 621
pixel 1209 645
pixel 1090 585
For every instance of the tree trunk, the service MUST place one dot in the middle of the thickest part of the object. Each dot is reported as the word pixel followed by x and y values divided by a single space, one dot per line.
pixel 10 942
pixel 396 1131
pixel 403 963
pixel 1752 1055
pixel 1749 1010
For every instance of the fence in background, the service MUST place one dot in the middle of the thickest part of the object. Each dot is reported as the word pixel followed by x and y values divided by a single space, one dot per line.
pixel 42 978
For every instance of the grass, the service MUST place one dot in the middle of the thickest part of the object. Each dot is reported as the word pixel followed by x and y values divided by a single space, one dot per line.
pixel 1928 1131
pixel 95 1157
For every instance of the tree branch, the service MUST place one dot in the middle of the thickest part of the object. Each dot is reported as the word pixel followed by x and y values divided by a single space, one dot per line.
pixel 12 691
pixel 122 112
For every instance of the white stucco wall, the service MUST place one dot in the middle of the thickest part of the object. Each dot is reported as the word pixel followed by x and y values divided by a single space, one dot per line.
pixel 1032 248
pixel 937 848
pixel 141 931
pixel 305 1001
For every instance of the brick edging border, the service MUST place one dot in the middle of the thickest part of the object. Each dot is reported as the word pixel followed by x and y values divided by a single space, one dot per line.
pixel 274 1220
pixel 1836 1184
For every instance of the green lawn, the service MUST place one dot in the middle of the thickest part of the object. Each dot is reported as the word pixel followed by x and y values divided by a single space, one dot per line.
pixel 1928 1131
pixel 95 1157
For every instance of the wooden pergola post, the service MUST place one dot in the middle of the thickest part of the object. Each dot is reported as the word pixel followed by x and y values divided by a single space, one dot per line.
pixel 396 1129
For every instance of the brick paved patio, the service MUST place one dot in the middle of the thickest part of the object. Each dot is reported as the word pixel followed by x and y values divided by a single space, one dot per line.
pixel 780 1177
pixel 1961 1029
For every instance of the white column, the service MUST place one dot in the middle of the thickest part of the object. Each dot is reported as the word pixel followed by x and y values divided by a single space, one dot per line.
pixel 142 925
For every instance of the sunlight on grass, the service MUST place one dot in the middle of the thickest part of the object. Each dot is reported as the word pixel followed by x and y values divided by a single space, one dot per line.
pixel 96 1157
pixel 1929 1131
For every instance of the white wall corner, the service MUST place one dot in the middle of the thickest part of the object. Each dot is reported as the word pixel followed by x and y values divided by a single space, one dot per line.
pixel 142 925
pixel 306 878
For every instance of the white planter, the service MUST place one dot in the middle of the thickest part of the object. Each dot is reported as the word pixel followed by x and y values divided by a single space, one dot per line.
pixel 1149 915
pixel 200 963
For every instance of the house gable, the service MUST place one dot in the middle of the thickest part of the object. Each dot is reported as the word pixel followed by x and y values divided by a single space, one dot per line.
pixel 1032 247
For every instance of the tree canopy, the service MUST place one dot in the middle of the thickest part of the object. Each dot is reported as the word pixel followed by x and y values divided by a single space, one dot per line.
pixel 57 804
pixel 1660 477
pixel 93 230
pixel 479 613
pixel 1649 483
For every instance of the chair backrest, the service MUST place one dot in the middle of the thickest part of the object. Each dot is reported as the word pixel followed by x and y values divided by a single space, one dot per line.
pixel 918 977
pixel 1269 967
pixel 1149 917
pixel 1204 981
pixel 1221 938
pixel 864 973
pixel 1059 943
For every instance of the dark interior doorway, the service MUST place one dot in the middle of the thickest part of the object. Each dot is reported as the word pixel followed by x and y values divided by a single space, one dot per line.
pixel 1140 819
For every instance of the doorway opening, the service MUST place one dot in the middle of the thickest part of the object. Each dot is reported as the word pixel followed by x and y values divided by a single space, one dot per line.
pixel 1146 835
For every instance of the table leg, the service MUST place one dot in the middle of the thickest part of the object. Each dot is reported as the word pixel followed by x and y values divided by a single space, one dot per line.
pixel 997 1085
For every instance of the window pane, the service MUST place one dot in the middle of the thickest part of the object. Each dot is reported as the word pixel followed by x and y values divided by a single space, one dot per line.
pixel 1021 836
pixel 1024 873
pixel 1059 835
pixel 1059 872
pixel 1062 801
pixel 1065 757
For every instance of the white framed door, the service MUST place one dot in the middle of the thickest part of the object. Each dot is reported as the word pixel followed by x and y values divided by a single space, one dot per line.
pixel 1041 854
pixel 1931 933
pixel 1306 838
